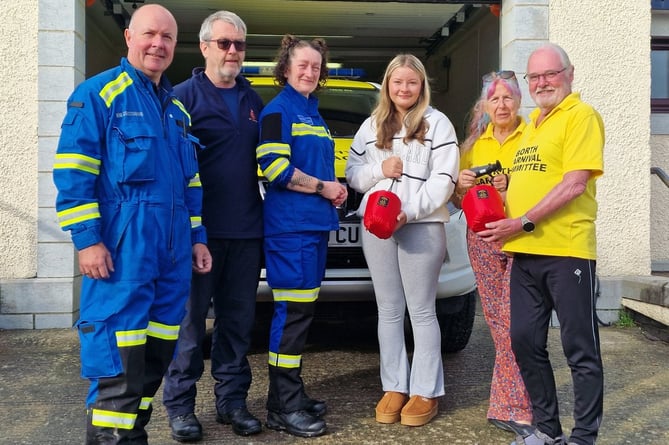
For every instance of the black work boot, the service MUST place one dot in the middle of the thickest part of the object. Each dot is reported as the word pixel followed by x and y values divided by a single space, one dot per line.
pixel 298 423
pixel 186 428
pixel 243 422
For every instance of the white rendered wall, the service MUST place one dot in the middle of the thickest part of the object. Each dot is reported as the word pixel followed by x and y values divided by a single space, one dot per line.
pixel 612 73
pixel 44 46
pixel 18 139
pixel 18 156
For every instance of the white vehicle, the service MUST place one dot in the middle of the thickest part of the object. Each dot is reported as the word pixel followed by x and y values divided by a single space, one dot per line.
pixel 345 104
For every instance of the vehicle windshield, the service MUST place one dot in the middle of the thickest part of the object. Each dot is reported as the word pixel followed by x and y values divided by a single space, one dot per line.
pixel 344 109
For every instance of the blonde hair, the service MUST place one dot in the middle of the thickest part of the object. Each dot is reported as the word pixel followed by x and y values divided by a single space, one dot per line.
pixel 386 117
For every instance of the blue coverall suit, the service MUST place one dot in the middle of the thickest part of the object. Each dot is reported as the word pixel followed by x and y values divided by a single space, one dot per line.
pixel 297 225
pixel 232 213
pixel 126 173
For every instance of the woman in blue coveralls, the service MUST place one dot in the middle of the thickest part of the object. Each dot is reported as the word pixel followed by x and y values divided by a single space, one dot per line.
pixel 296 155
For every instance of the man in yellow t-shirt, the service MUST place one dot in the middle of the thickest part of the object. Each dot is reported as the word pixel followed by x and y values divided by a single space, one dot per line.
pixel 550 231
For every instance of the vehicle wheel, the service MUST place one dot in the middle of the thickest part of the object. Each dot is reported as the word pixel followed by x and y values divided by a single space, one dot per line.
pixel 456 320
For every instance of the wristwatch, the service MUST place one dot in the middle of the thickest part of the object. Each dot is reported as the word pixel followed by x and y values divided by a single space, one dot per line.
pixel 319 187
pixel 528 226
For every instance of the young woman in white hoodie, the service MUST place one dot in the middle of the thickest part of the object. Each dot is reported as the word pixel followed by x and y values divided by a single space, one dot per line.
pixel 409 146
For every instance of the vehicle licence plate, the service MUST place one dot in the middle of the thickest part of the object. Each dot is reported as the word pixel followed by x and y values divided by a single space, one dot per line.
pixel 348 235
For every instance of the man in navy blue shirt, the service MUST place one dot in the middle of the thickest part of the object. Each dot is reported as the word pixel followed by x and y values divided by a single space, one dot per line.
pixel 224 111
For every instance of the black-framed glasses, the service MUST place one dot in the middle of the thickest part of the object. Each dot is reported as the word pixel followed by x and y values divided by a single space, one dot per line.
pixel 548 75
pixel 224 44
pixel 506 75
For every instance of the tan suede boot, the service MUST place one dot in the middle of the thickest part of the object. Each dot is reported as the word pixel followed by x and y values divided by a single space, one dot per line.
pixel 418 411
pixel 389 407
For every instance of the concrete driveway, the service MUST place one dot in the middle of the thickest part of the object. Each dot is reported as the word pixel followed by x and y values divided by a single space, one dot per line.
pixel 41 394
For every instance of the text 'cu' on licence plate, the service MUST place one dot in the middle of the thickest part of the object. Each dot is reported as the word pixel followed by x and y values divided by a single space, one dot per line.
pixel 347 235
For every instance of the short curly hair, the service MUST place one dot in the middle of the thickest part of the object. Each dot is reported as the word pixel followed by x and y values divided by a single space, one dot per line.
pixel 288 45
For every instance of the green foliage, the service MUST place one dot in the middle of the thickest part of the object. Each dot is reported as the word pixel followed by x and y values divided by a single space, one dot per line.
pixel 625 319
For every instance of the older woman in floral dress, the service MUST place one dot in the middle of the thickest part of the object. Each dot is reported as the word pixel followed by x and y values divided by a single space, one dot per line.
pixel 494 132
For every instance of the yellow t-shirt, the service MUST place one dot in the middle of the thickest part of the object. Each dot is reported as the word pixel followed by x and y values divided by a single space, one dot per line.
pixel 570 138
pixel 487 150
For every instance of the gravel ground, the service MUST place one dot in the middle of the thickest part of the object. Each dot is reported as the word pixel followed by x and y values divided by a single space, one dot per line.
pixel 41 393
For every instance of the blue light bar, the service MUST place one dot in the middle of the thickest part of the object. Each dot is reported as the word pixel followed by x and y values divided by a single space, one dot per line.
pixel 262 70
pixel 338 72
pixel 347 72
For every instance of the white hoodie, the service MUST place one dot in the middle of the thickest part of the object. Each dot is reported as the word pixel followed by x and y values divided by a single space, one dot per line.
pixel 430 169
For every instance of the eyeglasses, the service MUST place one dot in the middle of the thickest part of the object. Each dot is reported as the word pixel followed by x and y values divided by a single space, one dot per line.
pixel 548 75
pixel 507 74
pixel 224 44
pixel 506 100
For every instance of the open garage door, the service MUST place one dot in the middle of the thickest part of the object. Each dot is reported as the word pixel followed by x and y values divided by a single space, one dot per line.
pixel 456 40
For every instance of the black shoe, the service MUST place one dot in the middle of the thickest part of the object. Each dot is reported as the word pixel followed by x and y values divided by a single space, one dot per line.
pixel 298 423
pixel 242 421
pixel 315 407
pixel 520 429
pixel 186 428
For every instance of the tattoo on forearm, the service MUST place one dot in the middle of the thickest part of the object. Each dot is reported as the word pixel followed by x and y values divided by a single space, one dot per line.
pixel 300 178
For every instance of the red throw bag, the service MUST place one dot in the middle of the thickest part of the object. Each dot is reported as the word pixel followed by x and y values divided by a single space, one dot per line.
pixel 482 204
pixel 381 212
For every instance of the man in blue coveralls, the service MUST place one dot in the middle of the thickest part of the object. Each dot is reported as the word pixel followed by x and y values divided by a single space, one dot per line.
pixel 129 193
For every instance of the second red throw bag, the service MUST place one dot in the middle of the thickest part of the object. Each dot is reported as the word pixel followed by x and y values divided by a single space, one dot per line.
pixel 482 204
pixel 381 212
